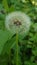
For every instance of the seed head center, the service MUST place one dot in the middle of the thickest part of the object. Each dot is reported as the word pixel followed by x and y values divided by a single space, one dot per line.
pixel 17 22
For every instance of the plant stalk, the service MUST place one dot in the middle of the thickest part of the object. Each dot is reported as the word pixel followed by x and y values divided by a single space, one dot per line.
pixel 16 48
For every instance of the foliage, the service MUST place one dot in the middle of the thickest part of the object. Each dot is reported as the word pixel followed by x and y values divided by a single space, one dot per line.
pixel 27 46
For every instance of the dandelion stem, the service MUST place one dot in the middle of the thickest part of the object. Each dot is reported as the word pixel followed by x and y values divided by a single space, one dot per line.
pixel 17 49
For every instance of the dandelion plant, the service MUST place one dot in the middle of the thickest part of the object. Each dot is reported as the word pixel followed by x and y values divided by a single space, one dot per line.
pixel 18 23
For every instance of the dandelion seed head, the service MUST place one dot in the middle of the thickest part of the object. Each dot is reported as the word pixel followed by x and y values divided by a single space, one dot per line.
pixel 17 21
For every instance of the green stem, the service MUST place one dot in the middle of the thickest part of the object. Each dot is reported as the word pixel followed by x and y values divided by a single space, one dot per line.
pixel 17 49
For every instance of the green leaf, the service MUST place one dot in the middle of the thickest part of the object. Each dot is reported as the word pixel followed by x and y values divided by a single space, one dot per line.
pixel 8 45
pixel 5 4
pixel 11 9
pixel 4 36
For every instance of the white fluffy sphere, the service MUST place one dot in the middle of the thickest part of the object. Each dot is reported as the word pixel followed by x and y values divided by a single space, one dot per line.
pixel 17 21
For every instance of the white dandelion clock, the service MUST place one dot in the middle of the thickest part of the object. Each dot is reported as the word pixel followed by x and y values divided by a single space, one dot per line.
pixel 18 22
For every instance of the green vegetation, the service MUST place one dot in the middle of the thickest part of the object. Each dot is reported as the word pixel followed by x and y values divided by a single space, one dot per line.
pixel 24 52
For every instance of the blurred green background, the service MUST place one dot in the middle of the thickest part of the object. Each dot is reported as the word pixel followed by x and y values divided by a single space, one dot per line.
pixel 28 45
